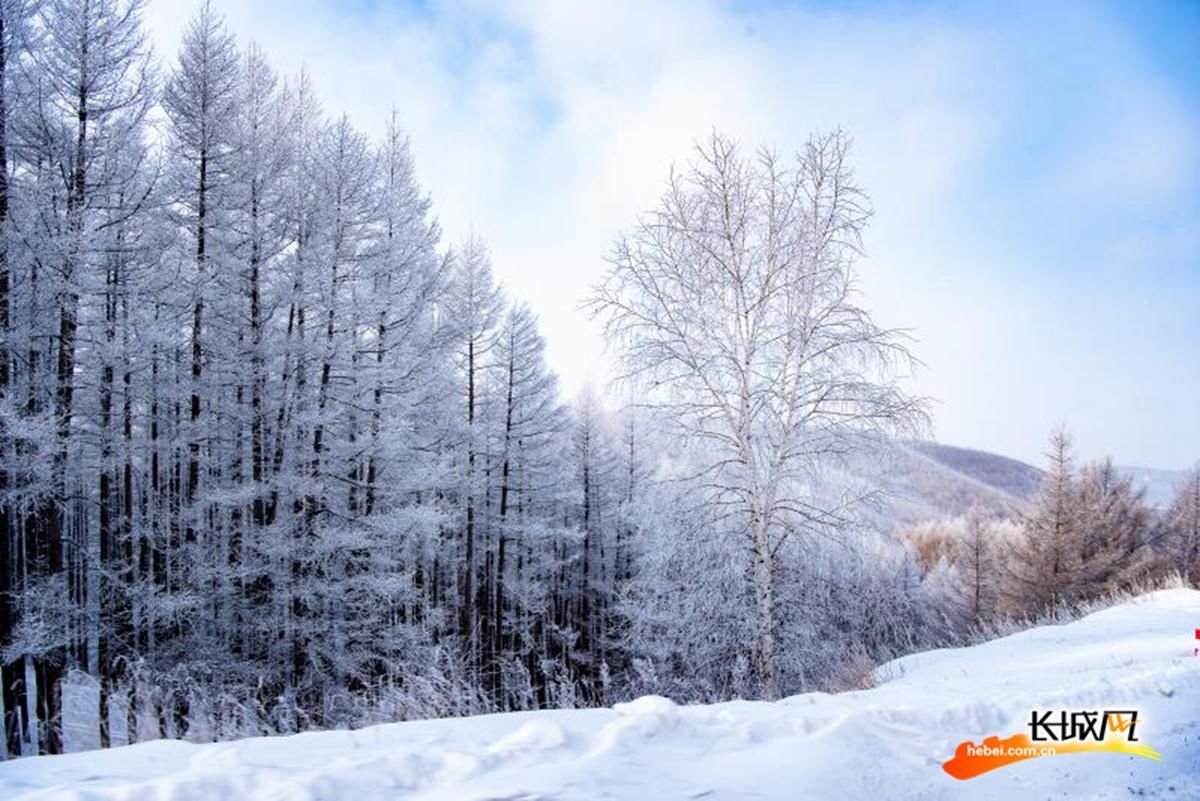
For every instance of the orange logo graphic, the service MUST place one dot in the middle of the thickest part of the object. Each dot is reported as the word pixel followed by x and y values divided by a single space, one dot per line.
pixel 1064 732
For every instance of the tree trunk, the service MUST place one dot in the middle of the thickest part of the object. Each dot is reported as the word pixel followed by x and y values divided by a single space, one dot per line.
pixel 764 608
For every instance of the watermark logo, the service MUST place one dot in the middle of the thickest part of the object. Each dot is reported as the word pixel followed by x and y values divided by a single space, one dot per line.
pixel 1051 733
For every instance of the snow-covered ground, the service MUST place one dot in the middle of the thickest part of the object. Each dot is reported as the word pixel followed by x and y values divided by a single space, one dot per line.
pixel 888 742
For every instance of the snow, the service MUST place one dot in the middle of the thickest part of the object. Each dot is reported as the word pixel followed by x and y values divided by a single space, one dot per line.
pixel 882 743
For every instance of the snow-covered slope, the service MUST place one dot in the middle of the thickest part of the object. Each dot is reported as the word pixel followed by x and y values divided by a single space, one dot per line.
pixel 911 485
pixel 883 743
pixel 1010 476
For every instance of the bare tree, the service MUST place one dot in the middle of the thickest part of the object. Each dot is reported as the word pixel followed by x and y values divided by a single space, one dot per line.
pixel 734 303
pixel 976 563
pixel 95 88
pixel 14 22
pixel 1184 521
pixel 1045 563
pixel 1117 529
pixel 474 306
pixel 200 100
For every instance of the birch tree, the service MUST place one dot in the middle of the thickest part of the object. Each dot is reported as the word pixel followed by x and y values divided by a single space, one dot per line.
pixel 734 304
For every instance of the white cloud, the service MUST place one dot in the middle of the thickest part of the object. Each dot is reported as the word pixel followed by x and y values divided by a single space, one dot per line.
pixel 547 126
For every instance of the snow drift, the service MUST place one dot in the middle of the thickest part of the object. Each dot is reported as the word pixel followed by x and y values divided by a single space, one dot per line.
pixel 886 742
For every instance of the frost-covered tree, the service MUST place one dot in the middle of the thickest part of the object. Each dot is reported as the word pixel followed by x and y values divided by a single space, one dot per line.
pixel 978 567
pixel 473 307
pixel 82 154
pixel 734 305
pixel 1117 529
pixel 1045 564
pixel 600 487
pixel 263 151
pixel 15 33
pixel 1183 519
pixel 526 466
pixel 850 601
pixel 200 100
pixel 1087 534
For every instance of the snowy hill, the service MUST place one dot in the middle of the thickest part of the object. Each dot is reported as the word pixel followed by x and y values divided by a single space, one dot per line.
pixel 1010 476
pixel 882 743
pixel 925 481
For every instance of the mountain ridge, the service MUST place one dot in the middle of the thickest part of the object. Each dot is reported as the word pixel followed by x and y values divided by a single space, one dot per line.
pixel 1020 480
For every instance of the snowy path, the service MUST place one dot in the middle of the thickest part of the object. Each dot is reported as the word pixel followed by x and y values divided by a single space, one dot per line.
pixel 887 742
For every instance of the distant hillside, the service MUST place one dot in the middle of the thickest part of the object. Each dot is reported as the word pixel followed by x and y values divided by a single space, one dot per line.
pixel 920 480
pixel 918 486
pixel 1159 484
pixel 1010 476
pixel 1020 480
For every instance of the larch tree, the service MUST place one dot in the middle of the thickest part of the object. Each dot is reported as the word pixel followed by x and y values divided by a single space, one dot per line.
pixel 1117 530
pixel 600 484
pixel 93 94
pixel 977 567
pixel 474 307
pixel 264 150
pixel 15 32
pixel 1183 519
pixel 200 100
pixel 1045 563
pixel 345 173
pixel 530 424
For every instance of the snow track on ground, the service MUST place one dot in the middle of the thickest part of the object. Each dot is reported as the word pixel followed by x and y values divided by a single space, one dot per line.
pixel 883 743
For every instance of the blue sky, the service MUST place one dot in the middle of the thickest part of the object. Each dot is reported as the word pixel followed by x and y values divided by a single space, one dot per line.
pixel 1035 169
